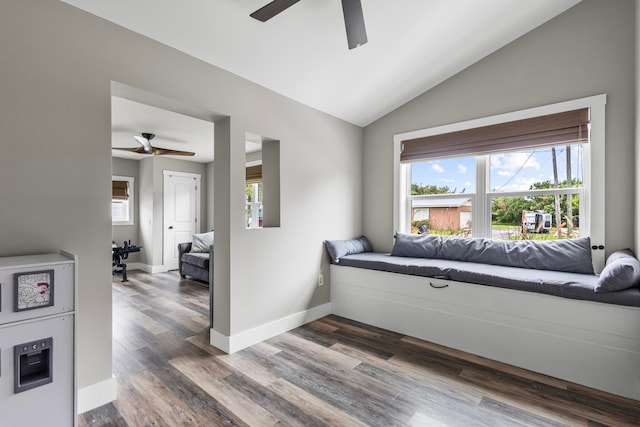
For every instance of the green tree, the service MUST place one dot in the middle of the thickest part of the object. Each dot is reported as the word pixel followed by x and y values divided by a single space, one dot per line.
pixel 420 190
pixel 575 183
pixel 508 210
pixel 249 192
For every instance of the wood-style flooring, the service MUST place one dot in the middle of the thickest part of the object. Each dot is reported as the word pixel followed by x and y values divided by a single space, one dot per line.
pixel 330 372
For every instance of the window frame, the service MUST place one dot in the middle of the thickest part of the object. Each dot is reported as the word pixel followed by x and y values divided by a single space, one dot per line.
pixel 593 218
pixel 130 203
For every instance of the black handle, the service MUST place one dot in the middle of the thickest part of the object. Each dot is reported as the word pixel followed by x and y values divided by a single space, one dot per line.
pixel 171 227
pixel 439 286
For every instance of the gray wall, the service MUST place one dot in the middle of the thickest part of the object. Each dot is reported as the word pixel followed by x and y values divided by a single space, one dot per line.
pixel 120 233
pixel 152 208
pixel 57 67
pixel 588 50
pixel 637 135
pixel 149 213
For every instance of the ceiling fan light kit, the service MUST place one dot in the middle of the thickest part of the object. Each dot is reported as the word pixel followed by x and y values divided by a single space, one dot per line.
pixel 145 141
pixel 351 9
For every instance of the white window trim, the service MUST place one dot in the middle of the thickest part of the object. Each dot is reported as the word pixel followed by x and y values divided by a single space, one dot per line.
pixel 594 164
pixel 130 200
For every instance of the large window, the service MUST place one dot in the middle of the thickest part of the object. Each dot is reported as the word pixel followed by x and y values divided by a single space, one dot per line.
pixel 530 194
pixel 532 174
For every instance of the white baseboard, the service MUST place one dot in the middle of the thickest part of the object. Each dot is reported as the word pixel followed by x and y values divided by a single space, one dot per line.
pixel 134 266
pixel 147 268
pixel 138 266
pixel 96 395
pixel 159 269
pixel 231 344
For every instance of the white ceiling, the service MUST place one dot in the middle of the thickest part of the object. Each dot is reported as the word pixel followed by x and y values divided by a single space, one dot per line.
pixel 174 131
pixel 302 53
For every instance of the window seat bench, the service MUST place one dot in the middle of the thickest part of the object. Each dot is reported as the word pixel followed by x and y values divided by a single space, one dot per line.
pixel 557 283
pixel 551 322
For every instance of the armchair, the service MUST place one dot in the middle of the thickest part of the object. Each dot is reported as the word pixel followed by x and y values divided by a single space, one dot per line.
pixel 198 265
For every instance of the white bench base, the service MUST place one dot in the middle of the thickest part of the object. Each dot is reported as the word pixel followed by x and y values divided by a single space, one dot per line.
pixel 589 343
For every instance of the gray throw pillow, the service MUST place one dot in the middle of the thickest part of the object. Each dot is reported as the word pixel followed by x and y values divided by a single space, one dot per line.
pixel 201 242
pixel 339 248
pixel 465 249
pixel 622 271
pixel 569 255
pixel 416 245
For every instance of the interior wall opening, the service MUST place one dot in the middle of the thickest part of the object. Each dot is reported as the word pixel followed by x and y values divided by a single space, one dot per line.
pixel 262 182
pixel 152 134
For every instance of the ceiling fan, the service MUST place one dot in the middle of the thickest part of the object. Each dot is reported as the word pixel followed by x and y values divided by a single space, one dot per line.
pixel 146 148
pixel 351 9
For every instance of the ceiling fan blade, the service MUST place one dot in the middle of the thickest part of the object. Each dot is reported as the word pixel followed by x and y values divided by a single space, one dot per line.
pixel 144 142
pixel 354 23
pixel 140 150
pixel 162 151
pixel 272 9
pixel 157 151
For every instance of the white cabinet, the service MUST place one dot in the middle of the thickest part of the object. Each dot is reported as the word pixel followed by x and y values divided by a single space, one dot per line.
pixel 37 340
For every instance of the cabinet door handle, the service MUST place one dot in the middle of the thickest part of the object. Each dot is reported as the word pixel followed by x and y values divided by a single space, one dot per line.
pixel 438 286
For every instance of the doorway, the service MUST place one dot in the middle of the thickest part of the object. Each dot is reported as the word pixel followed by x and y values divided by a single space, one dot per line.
pixel 172 121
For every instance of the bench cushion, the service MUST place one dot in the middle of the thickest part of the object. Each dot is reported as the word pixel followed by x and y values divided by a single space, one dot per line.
pixel 562 284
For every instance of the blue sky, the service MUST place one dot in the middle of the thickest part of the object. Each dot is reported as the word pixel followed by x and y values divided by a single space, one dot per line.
pixel 514 171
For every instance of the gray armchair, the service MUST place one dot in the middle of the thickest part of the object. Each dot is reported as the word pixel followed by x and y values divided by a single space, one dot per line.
pixel 198 265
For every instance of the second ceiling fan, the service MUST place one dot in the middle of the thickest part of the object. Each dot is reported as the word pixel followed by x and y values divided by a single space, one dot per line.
pixel 351 9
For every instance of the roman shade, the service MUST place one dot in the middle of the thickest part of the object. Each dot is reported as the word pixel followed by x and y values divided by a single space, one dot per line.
pixel 253 174
pixel 569 127
pixel 120 190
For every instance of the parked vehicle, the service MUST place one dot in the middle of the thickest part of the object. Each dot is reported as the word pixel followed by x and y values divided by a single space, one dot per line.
pixel 536 222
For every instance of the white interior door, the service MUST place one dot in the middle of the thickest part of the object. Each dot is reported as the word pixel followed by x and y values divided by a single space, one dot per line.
pixel 181 213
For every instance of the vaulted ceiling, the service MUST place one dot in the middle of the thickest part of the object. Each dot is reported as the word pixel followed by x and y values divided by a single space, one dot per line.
pixel 302 52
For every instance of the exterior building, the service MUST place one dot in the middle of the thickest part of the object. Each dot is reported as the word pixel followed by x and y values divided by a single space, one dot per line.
pixel 443 215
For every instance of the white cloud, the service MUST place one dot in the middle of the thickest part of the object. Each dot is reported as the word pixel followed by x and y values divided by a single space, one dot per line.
pixel 448 181
pixel 436 167
pixel 514 161
pixel 462 168
pixel 519 184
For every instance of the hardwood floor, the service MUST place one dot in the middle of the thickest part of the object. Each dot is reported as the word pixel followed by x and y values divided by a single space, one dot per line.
pixel 330 372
